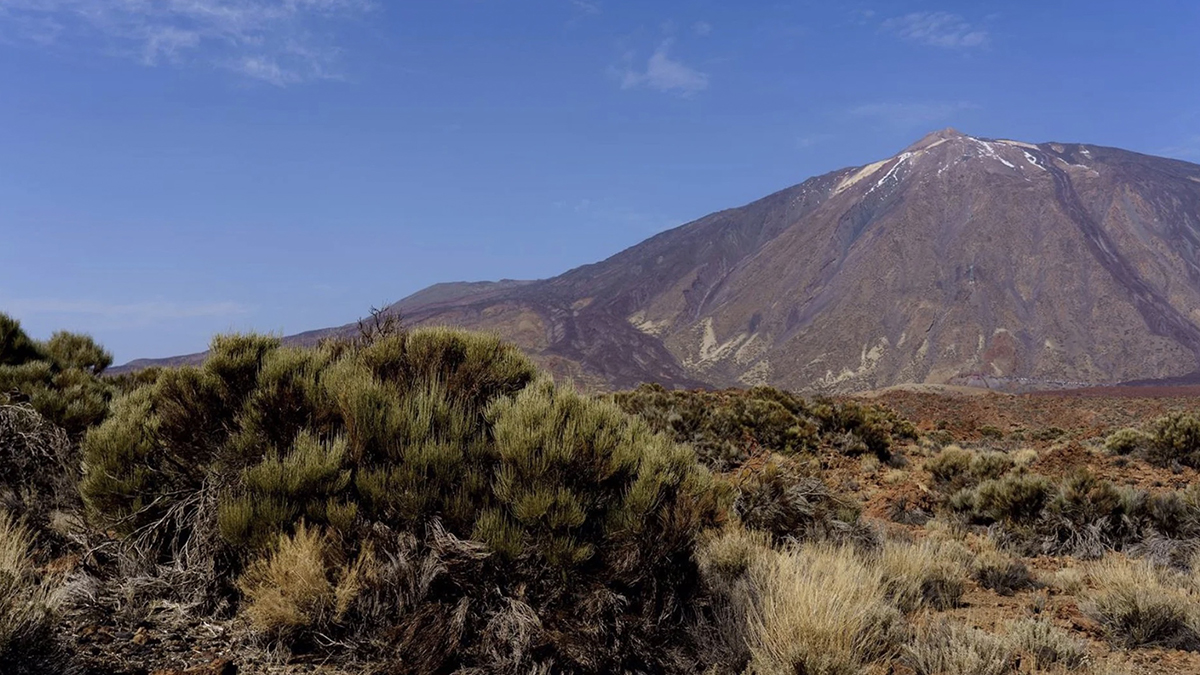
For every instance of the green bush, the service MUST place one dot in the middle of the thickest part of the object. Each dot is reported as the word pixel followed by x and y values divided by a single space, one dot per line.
pixel 1084 516
pixel 992 432
pixel 1088 516
pixel 1175 438
pixel 277 430
pixel 16 347
pixel 727 427
pixel 60 378
pixel 1127 442
pixel 1016 498
pixel 954 468
pixel 439 434
pixel 951 467
pixel 870 428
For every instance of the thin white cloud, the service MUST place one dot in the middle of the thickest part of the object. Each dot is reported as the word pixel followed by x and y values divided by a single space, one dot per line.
pixel 702 28
pixel 906 115
pixel 586 7
pixel 1188 147
pixel 270 40
pixel 664 74
pixel 937 29
pixel 125 314
pixel 806 142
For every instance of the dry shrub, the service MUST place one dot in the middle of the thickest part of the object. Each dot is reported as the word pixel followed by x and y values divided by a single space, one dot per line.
pixel 923 574
pixel 999 571
pixel 28 643
pixel 944 648
pixel 1140 606
pixel 38 465
pixel 950 465
pixel 724 560
pixel 942 528
pixel 301 586
pixel 1047 645
pixel 817 609
pixel 1024 457
pixel 788 500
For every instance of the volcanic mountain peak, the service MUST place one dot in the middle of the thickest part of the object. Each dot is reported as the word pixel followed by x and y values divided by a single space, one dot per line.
pixel 961 260
pixel 939 152
pixel 935 137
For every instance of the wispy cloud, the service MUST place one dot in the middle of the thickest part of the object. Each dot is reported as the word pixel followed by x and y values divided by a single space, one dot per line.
pixel 806 142
pixel 273 41
pixel 1188 147
pixel 702 29
pixel 937 29
pixel 912 114
pixel 664 73
pixel 125 314
pixel 586 7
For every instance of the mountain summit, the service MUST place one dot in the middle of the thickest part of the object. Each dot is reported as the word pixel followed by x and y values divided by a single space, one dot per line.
pixel 961 260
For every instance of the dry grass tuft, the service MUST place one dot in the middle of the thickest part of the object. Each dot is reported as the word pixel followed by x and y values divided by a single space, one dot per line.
pixel 1047 645
pixel 1068 580
pixel 27 607
pixel 300 587
pixel 1141 606
pixel 925 574
pixel 818 610
pixel 949 649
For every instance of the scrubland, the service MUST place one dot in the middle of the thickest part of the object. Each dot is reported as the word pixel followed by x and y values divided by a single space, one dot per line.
pixel 425 501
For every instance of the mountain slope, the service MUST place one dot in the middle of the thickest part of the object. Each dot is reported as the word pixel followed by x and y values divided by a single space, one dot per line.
pixel 960 260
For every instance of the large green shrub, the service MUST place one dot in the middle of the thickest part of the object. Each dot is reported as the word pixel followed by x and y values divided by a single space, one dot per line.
pixel 60 378
pixel 278 430
pixel 444 436
pixel 1175 438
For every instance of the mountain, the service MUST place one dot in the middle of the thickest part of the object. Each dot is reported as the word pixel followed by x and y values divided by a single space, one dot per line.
pixel 960 260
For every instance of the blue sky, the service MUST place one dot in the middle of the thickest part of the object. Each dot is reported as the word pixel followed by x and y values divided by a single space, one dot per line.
pixel 174 168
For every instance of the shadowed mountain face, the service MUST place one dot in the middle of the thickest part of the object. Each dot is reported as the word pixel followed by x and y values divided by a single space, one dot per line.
pixel 958 261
